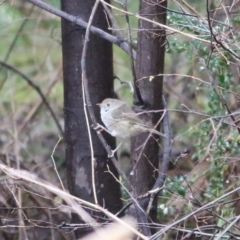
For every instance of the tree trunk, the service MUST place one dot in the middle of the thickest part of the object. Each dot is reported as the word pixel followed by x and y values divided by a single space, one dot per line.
pixel 149 62
pixel 100 80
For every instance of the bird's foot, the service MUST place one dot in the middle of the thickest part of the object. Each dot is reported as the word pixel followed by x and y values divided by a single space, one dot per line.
pixel 115 150
pixel 100 127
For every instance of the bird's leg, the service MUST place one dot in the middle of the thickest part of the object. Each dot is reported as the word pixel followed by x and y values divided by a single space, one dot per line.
pixel 99 127
pixel 113 151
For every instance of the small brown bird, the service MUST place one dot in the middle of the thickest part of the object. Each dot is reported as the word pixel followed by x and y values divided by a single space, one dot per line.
pixel 121 121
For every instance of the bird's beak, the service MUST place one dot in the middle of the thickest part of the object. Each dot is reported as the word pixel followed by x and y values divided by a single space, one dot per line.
pixel 99 104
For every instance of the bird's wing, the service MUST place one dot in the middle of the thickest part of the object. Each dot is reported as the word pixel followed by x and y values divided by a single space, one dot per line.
pixel 117 112
pixel 123 112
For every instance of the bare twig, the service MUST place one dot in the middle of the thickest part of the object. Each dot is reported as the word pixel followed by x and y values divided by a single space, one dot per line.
pixel 33 111
pixel 114 27
pixel 145 142
pixel 92 115
pixel 137 90
pixel 115 40
pixel 18 34
pixel 214 36
pixel 191 77
pixel 86 95
pixel 222 100
pixel 126 82
pixel 90 109
pixel 54 164
pixel 38 90
pixel 68 198
pixel 11 47
pixel 157 23
pixel 19 197
pixel 162 173
pixel 210 204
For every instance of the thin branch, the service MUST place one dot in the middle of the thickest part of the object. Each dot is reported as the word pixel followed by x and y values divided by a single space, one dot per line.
pixel 74 202
pixel 74 19
pixel 222 100
pixel 14 42
pixel 162 173
pixel 18 34
pixel 157 23
pixel 210 204
pixel 125 82
pixel 32 112
pixel 93 118
pixel 117 41
pixel 38 90
pixel 86 95
pixel 227 228
pixel 113 26
pixel 214 36
pixel 54 164
pixel 137 90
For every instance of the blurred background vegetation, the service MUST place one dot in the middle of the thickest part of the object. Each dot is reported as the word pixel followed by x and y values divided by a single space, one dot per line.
pixel 206 138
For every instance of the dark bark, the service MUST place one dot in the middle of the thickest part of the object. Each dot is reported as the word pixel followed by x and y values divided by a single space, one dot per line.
pixel 149 62
pixel 100 80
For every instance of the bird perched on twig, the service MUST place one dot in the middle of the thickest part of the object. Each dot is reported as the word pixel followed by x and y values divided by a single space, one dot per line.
pixel 121 121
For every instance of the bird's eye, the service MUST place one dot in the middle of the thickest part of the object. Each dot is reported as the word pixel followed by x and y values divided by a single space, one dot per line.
pixel 108 104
